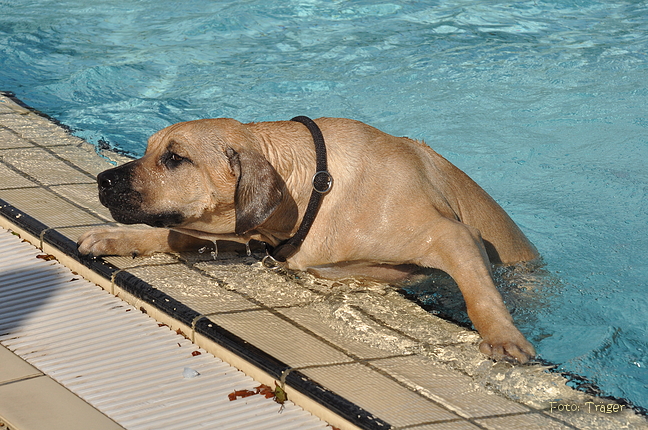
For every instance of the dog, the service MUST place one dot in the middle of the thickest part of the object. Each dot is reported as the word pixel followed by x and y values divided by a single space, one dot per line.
pixel 393 205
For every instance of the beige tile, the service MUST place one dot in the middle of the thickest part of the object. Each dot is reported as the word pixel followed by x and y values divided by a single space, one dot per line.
pixel 406 316
pixel 47 207
pixel 9 139
pixel 201 293
pixel 455 391
pixel 522 422
pixel 41 164
pixel 280 339
pixel 128 262
pixel 319 319
pixel 249 276
pixel 379 395
pixel 40 403
pixel 11 179
pixel 37 129
pixel 448 425
pixel 14 368
pixel 7 106
pixel 85 157
pixel 86 195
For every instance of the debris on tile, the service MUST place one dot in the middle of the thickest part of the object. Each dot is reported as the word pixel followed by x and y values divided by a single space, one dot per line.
pixel 189 373
pixel 278 394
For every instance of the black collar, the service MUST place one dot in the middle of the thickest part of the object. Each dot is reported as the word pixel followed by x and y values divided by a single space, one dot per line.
pixel 322 182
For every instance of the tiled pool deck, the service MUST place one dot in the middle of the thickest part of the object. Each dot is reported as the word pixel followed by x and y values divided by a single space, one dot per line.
pixel 357 356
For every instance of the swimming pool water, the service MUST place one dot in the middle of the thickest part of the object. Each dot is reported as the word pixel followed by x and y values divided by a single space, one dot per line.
pixel 544 103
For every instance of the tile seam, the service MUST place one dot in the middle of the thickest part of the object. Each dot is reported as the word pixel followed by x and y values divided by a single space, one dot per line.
pixel 22 378
pixel 531 410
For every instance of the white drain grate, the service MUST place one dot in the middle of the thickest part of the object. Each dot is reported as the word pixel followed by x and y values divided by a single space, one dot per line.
pixel 122 362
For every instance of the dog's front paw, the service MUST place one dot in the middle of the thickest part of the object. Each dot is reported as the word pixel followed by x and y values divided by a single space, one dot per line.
pixel 115 241
pixel 507 344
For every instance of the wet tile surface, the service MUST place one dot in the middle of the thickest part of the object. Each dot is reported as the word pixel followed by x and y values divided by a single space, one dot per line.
pixel 317 320
pixel 450 388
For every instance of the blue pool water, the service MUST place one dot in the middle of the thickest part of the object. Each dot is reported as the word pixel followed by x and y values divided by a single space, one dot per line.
pixel 544 103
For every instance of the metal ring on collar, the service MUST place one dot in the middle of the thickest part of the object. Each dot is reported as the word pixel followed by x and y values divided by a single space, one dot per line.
pixel 329 181
pixel 269 262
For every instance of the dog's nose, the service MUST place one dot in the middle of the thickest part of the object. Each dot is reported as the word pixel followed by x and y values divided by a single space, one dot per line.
pixel 107 179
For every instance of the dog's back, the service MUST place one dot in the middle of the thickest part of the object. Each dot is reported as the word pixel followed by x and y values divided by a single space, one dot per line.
pixel 454 194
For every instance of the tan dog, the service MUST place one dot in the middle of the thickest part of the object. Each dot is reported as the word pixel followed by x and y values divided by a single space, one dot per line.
pixel 395 204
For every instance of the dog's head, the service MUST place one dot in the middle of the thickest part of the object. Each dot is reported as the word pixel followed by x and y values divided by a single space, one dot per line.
pixel 205 175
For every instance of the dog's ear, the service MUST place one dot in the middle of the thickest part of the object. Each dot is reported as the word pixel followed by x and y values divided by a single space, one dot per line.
pixel 258 189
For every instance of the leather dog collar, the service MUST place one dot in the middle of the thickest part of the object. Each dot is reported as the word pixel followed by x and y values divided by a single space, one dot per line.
pixel 322 182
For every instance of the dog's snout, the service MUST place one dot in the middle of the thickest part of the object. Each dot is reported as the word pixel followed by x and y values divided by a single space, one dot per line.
pixel 107 179
pixel 115 179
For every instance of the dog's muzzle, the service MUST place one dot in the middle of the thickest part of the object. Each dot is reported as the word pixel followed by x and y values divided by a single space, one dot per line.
pixel 125 203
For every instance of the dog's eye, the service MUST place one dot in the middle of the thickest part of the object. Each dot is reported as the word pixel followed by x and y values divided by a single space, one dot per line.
pixel 173 160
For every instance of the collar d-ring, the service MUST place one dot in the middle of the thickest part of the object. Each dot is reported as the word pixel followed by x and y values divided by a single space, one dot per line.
pixel 322 182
